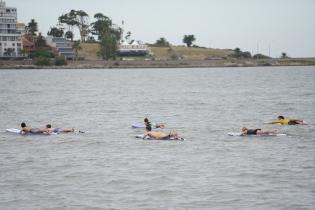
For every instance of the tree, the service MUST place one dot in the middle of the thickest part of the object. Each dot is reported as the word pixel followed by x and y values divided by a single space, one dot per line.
pixel 77 18
pixel 189 39
pixel 40 42
pixel 237 51
pixel 284 55
pixel 260 56
pixel 108 34
pixel 32 27
pixel 162 42
pixel 76 47
pixel 83 24
pixel 8 52
pixel 69 35
pixel 55 32
pixel 101 26
pixel 239 54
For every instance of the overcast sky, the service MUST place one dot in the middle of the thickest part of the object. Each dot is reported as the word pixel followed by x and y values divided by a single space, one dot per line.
pixel 262 26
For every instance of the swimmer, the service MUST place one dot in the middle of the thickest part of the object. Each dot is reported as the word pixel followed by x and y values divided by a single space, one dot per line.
pixel 49 129
pixel 246 131
pixel 288 121
pixel 160 135
pixel 26 129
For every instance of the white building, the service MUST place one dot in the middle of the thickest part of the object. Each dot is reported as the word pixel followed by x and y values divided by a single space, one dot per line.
pixel 136 48
pixel 10 37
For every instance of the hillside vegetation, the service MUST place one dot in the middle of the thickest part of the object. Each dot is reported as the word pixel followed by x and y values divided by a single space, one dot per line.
pixel 89 52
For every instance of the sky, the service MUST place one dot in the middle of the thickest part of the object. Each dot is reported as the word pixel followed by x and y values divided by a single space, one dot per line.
pixel 269 27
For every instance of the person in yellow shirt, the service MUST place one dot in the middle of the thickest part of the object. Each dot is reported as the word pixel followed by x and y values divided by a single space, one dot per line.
pixel 288 121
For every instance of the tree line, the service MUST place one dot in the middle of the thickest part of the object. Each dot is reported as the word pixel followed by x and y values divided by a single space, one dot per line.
pixel 108 34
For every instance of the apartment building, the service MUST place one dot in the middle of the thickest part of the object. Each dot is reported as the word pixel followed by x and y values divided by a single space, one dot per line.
pixel 10 36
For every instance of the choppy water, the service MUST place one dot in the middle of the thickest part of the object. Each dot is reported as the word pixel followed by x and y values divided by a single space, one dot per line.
pixel 107 168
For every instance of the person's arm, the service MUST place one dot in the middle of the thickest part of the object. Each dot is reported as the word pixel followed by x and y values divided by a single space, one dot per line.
pixel 160 126
pixel 145 135
pixel 22 132
pixel 275 122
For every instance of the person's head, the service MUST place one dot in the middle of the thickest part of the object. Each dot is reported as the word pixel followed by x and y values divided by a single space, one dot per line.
pixel 244 129
pixel 23 125
pixel 146 120
pixel 280 118
pixel 48 126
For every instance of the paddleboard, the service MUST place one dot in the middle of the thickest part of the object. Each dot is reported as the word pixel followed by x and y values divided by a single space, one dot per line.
pixel 140 136
pixel 138 126
pixel 13 130
pixel 259 135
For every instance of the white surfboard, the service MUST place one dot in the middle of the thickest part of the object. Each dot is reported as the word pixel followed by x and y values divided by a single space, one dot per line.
pixel 13 130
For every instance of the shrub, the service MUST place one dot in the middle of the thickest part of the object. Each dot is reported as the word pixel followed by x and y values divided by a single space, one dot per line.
pixel 60 61
pixel 42 61
pixel 42 53
pixel 260 56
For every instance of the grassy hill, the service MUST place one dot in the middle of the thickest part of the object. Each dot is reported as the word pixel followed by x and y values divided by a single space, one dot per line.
pixel 89 52
pixel 165 53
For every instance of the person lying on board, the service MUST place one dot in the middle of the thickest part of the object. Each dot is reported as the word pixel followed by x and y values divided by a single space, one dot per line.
pixel 148 124
pixel 158 135
pixel 246 131
pixel 27 129
pixel 288 121
pixel 49 129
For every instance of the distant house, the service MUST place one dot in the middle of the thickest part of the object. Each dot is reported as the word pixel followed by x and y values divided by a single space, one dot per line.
pixel 10 36
pixel 136 48
pixel 28 43
pixel 62 46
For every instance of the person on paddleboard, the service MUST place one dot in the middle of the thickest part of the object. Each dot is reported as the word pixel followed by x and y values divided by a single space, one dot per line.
pixel 26 129
pixel 158 135
pixel 50 129
pixel 288 121
pixel 246 131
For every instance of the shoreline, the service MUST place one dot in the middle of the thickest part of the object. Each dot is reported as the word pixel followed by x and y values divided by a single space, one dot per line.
pixel 145 64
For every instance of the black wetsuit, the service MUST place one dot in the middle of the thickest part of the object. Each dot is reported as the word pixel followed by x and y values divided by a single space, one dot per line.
pixel 148 126
pixel 252 131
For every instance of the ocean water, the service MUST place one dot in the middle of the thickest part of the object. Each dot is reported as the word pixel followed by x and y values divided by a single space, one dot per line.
pixel 107 168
